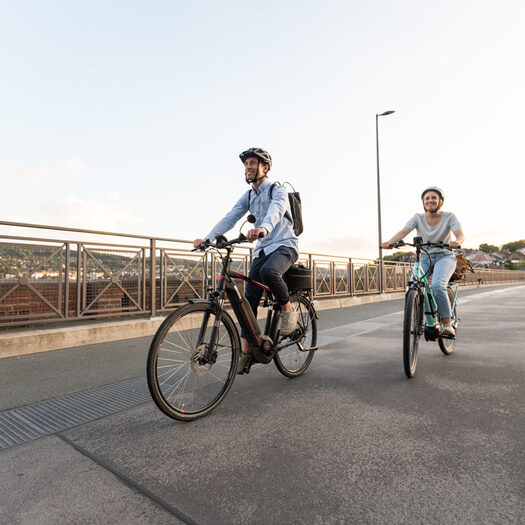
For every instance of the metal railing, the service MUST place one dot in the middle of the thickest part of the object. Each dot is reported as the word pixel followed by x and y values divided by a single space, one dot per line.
pixel 50 279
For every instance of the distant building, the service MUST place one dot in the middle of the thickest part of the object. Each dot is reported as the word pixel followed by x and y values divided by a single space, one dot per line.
pixel 482 260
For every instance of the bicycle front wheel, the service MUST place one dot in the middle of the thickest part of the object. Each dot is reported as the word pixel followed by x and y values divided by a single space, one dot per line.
pixel 447 344
pixel 183 383
pixel 295 357
pixel 412 329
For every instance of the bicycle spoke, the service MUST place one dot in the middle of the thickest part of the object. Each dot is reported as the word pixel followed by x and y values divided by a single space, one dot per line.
pixel 186 377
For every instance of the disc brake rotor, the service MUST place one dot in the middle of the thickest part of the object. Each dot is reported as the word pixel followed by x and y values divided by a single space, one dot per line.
pixel 199 368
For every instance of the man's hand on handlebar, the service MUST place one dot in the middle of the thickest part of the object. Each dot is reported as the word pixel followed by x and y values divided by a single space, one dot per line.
pixel 197 243
pixel 454 245
pixel 255 233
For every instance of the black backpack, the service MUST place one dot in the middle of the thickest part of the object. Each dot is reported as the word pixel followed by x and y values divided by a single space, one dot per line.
pixel 295 207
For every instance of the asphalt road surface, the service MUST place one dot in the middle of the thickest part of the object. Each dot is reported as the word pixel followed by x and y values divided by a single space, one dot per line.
pixel 351 441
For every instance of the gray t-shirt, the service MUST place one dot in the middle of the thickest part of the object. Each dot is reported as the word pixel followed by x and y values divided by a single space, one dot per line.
pixel 440 232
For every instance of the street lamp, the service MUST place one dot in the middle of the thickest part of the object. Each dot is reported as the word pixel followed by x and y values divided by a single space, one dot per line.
pixel 381 284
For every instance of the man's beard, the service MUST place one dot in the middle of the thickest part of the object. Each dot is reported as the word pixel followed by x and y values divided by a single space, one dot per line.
pixel 434 211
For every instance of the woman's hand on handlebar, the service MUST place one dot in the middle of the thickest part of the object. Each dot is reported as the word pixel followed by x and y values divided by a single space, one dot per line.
pixel 454 245
pixel 390 245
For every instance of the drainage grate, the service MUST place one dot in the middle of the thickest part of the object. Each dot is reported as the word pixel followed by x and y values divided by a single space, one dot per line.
pixel 54 415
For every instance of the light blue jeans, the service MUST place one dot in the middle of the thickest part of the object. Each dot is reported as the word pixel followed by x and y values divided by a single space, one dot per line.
pixel 443 266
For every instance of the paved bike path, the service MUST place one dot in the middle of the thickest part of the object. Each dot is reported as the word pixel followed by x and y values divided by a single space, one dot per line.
pixel 350 441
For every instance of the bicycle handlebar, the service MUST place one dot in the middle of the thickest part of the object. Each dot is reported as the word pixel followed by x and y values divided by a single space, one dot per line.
pixel 418 244
pixel 221 242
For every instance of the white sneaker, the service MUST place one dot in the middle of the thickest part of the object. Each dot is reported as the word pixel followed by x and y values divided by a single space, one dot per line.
pixel 448 331
pixel 288 322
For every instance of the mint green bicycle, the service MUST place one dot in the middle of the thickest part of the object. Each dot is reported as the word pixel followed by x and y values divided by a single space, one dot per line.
pixel 421 312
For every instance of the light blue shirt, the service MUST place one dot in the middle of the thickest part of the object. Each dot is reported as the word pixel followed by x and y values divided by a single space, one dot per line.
pixel 269 214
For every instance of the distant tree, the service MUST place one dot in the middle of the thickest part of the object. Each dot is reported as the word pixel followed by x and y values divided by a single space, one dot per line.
pixel 514 266
pixel 488 248
pixel 397 256
pixel 513 246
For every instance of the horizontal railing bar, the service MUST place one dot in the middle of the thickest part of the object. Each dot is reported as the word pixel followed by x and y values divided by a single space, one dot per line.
pixel 62 241
pixel 81 230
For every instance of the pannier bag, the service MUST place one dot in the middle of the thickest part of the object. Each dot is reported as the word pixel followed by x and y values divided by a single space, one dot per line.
pixel 462 267
pixel 298 277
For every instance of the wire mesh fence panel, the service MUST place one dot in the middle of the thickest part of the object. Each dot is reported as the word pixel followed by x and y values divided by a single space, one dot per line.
pixel 183 277
pixel 359 278
pixel 373 277
pixel 32 278
pixel 389 274
pixel 112 281
pixel 341 273
pixel 322 274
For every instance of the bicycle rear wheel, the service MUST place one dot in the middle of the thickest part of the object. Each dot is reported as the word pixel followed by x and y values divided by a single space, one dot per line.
pixel 181 383
pixel 412 329
pixel 291 361
pixel 447 344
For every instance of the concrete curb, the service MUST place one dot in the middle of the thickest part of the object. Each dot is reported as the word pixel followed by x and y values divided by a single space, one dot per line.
pixel 25 341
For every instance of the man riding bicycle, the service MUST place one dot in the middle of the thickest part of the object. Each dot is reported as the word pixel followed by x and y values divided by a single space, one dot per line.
pixel 435 225
pixel 277 245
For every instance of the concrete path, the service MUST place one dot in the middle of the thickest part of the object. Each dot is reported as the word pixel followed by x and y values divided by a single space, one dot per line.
pixel 351 441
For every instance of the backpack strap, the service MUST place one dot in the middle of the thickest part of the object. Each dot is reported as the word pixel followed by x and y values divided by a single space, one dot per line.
pixel 286 214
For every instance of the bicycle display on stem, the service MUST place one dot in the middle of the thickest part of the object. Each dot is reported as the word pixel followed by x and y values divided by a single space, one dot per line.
pixel 195 355
pixel 421 312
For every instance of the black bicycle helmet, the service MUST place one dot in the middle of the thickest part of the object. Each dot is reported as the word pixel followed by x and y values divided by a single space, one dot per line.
pixel 258 153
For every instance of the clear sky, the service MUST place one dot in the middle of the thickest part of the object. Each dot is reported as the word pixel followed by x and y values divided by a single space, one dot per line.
pixel 129 116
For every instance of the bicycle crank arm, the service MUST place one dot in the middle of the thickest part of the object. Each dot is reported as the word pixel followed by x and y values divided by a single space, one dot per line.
pixel 303 349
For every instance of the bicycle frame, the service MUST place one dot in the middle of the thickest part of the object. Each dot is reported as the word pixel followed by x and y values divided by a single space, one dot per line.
pixel 430 305
pixel 243 311
pixel 423 286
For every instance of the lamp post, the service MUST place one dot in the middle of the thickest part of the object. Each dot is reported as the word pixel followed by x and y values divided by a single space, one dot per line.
pixel 381 284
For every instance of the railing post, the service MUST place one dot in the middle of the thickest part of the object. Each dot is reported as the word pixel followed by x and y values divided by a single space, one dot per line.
pixel 312 276
pixel 66 282
pixel 350 278
pixel 153 276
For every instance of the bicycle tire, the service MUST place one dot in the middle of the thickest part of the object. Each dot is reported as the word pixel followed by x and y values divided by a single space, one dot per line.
pixel 291 361
pixel 446 344
pixel 182 387
pixel 412 329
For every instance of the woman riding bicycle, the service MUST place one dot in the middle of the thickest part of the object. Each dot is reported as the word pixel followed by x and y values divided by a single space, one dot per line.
pixel 436 226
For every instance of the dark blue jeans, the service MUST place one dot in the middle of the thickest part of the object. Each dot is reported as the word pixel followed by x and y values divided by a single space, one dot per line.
pixel 268 269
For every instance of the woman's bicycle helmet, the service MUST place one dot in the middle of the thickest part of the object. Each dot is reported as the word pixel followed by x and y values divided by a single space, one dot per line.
pixel 258 153
pixel 439 191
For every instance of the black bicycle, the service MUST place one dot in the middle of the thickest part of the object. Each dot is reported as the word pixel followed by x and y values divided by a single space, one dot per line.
pixel 195 354
pixel 421 312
